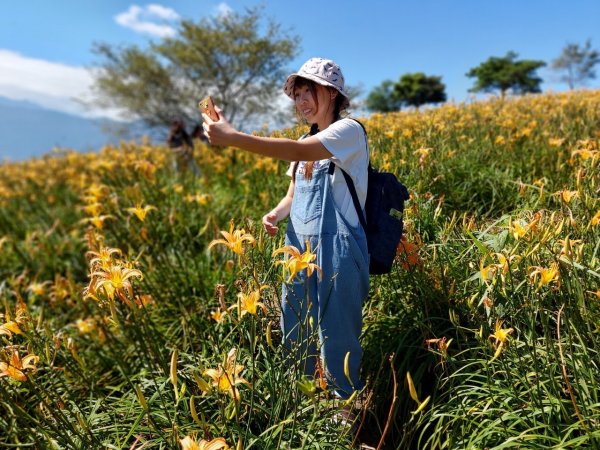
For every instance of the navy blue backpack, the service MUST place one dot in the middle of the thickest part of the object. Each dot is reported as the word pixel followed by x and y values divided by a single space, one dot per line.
pixel 383 219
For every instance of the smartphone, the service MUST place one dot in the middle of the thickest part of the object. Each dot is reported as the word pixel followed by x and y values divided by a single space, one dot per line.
pixel 207 106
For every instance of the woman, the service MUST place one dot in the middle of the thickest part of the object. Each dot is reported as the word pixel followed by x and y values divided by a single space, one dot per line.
pixel 323 216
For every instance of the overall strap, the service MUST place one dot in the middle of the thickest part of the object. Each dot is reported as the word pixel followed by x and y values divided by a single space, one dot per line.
pixel 353 193
pixel 297 163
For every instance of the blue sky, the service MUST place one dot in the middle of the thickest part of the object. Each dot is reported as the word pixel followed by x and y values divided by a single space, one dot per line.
pixel 45 46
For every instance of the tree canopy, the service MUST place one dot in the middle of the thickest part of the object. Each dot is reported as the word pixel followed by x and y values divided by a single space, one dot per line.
pixel 382 98
pixel 412 89
pixel 416 89
pixel 577 64
pixel 506 73
pixel 232 57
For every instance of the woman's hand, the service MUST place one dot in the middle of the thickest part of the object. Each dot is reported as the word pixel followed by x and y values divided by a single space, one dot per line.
pixel 220 132
pixel 269 221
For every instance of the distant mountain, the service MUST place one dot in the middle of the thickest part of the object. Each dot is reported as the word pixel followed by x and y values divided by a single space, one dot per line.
pixel 27 130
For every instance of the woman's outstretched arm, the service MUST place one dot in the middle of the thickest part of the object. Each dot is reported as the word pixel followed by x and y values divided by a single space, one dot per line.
pixel 222 133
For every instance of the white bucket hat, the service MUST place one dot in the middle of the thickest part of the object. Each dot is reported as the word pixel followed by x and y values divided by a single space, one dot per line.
pixel 322 71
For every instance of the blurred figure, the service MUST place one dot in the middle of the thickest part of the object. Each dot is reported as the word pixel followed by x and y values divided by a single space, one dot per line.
pixel 180 143
pixel 198 133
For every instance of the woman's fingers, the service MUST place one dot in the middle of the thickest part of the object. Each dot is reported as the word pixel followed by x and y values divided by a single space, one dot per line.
pixel 269 221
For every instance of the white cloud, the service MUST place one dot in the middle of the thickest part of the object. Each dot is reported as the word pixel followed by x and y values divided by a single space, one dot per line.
pixel 149 19
pixel 48 84
pixel 223 9
pixel 162 12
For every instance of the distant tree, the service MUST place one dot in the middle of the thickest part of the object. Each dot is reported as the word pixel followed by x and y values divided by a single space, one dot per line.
pixel 383 98
pixel 416 89
pixel 577 64
pixel 504 73
pixel 412 89
pixel 235 58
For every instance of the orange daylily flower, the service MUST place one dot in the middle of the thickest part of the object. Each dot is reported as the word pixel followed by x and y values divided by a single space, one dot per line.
pixel 408 253
pixel 15 368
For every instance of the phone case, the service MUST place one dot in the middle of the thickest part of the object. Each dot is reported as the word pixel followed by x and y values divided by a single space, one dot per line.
pixel 207 106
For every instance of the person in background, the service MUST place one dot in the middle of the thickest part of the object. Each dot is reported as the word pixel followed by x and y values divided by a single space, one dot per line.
pixel 198 133
pixel 322 219
pixel 182 147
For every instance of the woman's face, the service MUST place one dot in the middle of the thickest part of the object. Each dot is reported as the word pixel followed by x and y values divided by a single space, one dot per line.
pixel 317 108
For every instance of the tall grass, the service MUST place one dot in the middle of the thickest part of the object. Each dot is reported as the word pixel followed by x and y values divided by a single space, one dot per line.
pixel 122 329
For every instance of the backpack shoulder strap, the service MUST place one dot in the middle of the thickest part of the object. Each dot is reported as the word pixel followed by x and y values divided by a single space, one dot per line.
pixel 366 136
pixel 354 195
pixel 350 183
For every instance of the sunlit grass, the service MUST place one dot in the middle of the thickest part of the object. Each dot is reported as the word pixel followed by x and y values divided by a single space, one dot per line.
pixel 139 308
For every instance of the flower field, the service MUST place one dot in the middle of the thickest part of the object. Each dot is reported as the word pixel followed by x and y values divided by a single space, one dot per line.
pixel 139 307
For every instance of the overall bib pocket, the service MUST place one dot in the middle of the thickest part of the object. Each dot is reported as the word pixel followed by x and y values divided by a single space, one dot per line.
pixel 307 203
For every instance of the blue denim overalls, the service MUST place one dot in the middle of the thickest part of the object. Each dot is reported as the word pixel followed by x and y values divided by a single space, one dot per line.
pixel 335 302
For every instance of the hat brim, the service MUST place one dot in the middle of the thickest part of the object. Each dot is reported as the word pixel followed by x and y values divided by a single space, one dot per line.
pixel 288 87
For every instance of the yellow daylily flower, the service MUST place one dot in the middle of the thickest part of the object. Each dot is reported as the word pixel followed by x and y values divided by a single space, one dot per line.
pixel 218 315
pixel 297 262
pixel 9 328
pixel 96 191
pixel 423 154
pixel 16 367
pixel 190 443
pixel 227 376
pixel 518 230
pixel 566 196
pixel 500 337
pixel 98 221
pixel 596 219
pixel 584 154
pixel 103 257
pixel 86 326
pixel 15 325
pixel 487 272
pixel 546 275
pixel 116 279
pixel 249 303
pixel 37 288
pixel 93 209
pixel 140 212
pixel 234 239
pixel 201 199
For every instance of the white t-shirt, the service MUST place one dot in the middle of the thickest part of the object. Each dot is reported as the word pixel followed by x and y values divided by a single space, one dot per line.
pixel 346 141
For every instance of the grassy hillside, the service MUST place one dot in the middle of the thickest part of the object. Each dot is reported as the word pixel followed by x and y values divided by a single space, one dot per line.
pixel 122 329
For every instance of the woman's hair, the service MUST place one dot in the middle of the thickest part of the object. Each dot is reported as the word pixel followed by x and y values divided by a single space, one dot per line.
pixel 338 111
